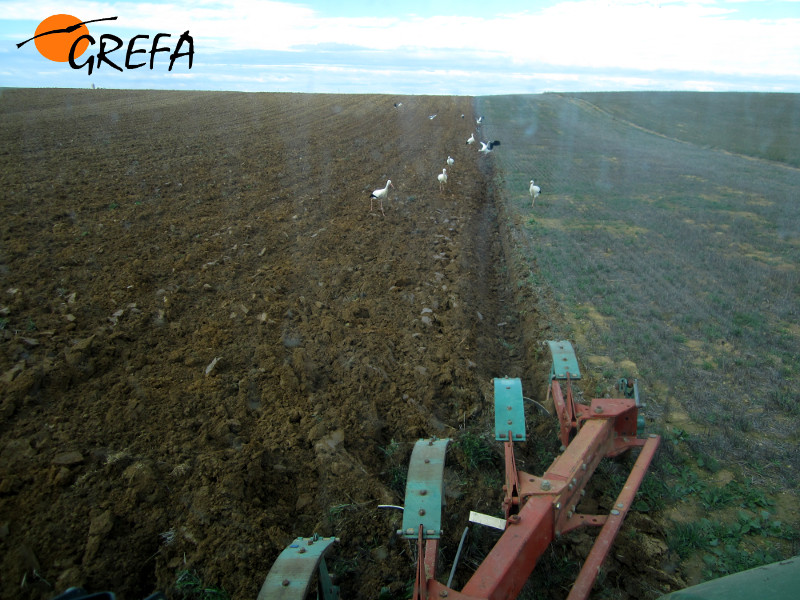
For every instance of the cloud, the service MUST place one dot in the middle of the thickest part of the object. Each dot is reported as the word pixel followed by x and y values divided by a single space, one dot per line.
pixel 628 43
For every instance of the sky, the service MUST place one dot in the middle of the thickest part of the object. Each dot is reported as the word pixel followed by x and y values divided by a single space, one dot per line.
pixel 464 47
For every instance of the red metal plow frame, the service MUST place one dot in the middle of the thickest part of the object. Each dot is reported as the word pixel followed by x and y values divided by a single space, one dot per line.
pixel 538 509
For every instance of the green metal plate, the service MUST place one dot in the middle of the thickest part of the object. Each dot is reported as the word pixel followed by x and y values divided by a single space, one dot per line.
pixel 423 503
pixel 775 581
pixel 291 573
pixel 564 360
pixel 509 411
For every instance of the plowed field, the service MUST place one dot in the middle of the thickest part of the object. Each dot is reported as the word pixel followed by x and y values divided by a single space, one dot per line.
pixel 211 345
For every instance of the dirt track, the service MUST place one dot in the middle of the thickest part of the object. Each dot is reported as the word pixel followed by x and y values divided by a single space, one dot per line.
pixel 146 235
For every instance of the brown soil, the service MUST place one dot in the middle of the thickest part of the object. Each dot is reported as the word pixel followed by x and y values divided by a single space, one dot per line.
pixel 209 343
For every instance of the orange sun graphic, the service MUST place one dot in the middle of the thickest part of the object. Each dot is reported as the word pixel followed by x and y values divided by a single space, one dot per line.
pixel 56 45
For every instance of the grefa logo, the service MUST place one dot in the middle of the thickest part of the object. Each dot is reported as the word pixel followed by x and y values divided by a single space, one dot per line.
pixel 64 38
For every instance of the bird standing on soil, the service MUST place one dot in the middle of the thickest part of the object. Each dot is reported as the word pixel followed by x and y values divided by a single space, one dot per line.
pixel 534 190
pixel 442 177
pixel 487 147
pixel 471 139
pixel 380 195
pixel 450 161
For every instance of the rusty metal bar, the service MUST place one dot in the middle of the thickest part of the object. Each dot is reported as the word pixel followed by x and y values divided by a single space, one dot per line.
pixel 591 567
pixel 528 534
pixel 506 568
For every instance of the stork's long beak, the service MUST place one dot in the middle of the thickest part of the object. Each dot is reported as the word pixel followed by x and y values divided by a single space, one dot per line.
pixel 391 185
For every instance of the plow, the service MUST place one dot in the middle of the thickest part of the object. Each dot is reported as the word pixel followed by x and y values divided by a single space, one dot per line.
pixel 537 509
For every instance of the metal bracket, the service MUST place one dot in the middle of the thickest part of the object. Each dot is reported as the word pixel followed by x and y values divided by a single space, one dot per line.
pixel 564 360
pixel 291 574
pixel 423 503
pixel 509 410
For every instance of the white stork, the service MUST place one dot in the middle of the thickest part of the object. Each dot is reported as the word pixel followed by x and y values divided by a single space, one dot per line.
pixel 487 147
pixel 450 161
pixel 534 190
pixel 442 177
pixel 471 139
pixel 380 195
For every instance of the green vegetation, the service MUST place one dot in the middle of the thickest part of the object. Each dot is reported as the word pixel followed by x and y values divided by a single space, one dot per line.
pixel 667 259
pixel 760 125
pixel 190 586
pixel 476 450
pixel 671 256
pixel 729 547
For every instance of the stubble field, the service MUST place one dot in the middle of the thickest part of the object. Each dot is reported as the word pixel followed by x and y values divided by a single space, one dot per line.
pixel 668 232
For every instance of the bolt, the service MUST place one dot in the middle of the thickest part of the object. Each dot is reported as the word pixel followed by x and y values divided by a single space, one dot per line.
pixel 443 593
pixel 514 518
pixel 583 466
pixel 620 505
pixel 421 511
pixel 510 421
pixel 302 551
pixel 508 407
pixel 427 460
pixel 430 531
pixel 569 515
pixel 545 484
pixel 598 409
pixel 285 582
pixel 583 492
pixel 410 531
pixel 558 505
pixel 570 486
pixel 423 492
pixel 615 512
